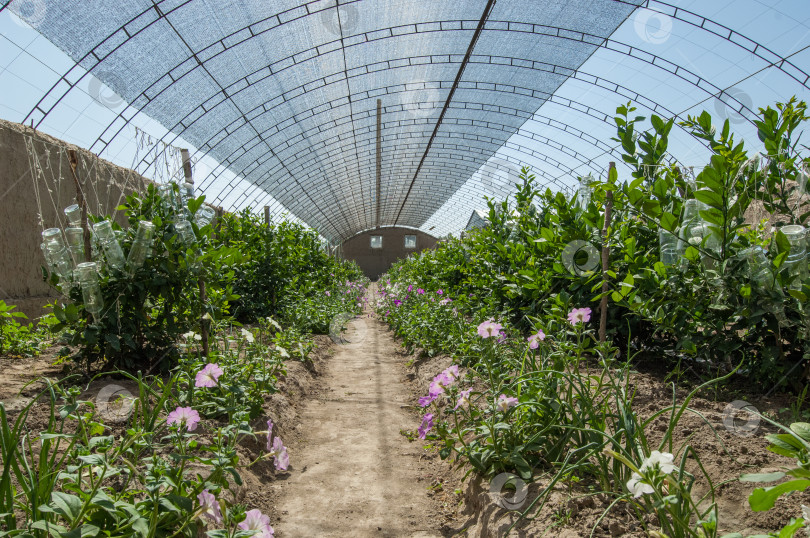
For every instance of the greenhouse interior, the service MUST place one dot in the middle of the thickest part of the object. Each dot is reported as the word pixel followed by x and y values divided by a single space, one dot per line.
pixel 404 268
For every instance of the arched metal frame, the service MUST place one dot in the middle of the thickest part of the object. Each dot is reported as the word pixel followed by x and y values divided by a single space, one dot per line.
pixel 243 167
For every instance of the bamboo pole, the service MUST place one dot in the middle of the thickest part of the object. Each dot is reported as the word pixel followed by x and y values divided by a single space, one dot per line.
pixel 605 263
pixel 73 159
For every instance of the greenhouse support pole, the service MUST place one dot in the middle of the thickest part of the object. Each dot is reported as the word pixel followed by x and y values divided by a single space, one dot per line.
pixel 74 165
pixel 200 281
pixel 379 158
pixel 605 264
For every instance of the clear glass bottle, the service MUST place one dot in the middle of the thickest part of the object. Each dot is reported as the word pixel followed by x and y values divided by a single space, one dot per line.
pixel 75 241
pixel 796 261
pixel 761 275
pixel 690 231
pixel 585 191
pixel 204 216
pixel 186 232
pixel 87 276
pixel 74 215
pixel 668 245
pixel 141 245
pixel 56 254
pixel 109 244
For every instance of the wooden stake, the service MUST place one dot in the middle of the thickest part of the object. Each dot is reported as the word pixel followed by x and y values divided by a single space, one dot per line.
pixel 73 159
pixel 605 265
pixel 200 282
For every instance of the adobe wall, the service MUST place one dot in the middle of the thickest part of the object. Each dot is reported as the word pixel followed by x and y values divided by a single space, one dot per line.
pixel 375 262
pixel 105 186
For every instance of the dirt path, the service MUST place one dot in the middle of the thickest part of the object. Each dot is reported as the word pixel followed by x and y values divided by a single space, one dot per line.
pixel 354 474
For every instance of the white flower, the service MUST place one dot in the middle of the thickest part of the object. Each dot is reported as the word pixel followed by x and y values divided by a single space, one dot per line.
pixel 282 352
pixel 806 516
pixel 659 460
pixel 208 317
pixel 273 322
pixel 248 336
pixel 637 487
pixel 192 335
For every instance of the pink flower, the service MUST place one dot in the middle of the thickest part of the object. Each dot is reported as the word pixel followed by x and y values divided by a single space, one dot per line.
pixel 256 521
pixel 579 315
pixel 446 377
pixel 420 291
pixel 397 302
pixel 501 337
pixel 427 425
pixel 279 453
pixel 208 376
pixel 440 292
pixel 434 391
pixel 464 398
pixel 535 339
pixel 184 416
pixel 410 288
pixel 209 507
pixel 489 328
pixel 505 403
pixel 444 301
pixel 328 293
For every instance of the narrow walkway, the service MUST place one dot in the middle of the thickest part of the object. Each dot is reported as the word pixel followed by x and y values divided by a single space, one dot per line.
pixel 356 475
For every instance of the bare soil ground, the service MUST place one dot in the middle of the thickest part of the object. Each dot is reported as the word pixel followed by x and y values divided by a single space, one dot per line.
pixel 577 510
pixel 354 472
pixel 349 419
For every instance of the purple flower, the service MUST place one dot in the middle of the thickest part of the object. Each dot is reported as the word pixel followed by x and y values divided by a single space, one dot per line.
pixel 464 398
pixel 208 376
pixel 505 403
pixel 420 291
pixel 209 507
pixel 501 337
pixel 425 401
pixel 410 288
pixel 434 391
pixel 440 292
pixel 279 453
pixel 184 416
pixel 397 302
pixel 328 293
pixel 489 328
pixel 579 315
pixel 444 301
pixel 256 521
pixel 447 376
pixel 427 425
pixel 535 339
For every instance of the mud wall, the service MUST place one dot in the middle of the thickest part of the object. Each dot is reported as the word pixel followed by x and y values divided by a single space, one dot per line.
pixel 30 202
pixel 376 261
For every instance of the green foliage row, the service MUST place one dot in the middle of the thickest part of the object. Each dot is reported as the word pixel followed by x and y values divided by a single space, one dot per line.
pixel 250 271
pixel 707 306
